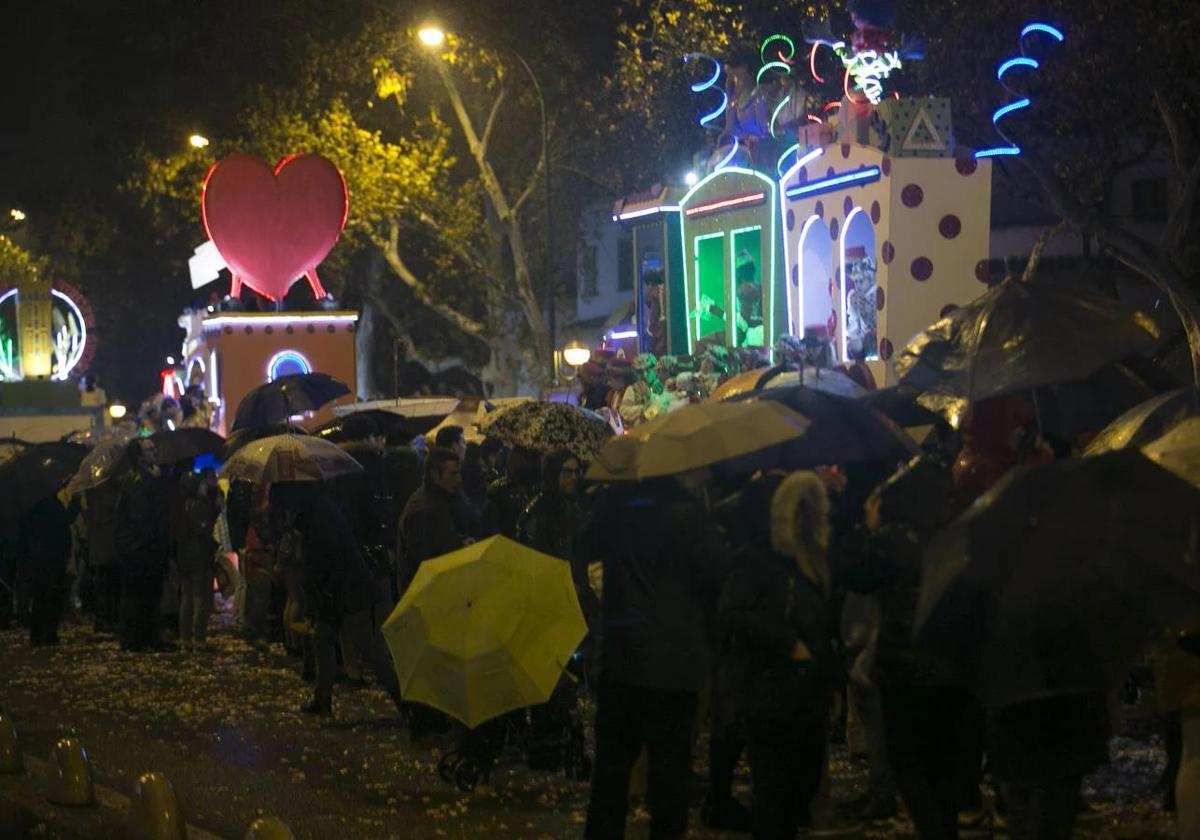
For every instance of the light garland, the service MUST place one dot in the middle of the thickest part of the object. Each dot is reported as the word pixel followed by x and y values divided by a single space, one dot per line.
pixel 1021 101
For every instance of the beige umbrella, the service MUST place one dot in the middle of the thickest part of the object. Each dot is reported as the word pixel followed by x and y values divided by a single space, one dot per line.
pixel 696 436
pixel 468 413
pixel 1179 450
pixel 289 458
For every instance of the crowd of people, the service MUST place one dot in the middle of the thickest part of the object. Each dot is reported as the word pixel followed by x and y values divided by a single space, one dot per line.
pixel 755 606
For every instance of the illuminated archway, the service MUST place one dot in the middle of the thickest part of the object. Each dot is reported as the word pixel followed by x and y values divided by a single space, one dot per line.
pixel 287 363
pixel 70 323
pixel 857 271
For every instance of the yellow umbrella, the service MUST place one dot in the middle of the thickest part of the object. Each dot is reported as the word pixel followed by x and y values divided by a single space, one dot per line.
pixel 695 436
pixel 485 630
pixel 1179 450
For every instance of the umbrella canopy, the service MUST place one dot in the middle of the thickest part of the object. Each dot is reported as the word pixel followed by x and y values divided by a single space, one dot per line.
pixel 177 445
pixel 240 438
pixel 38 471
pixel 696 436
pixel 844 430
pixel 469 412
pixel 375 422
pixel 1146 422
pixel 1054 581
pixel 1179 450
pixel 899 404
pixel 828 379
pixel 1019 336
pixel 485 630
pixel 547 426
pixel 287 396
pixel 104 462
pixel 289 458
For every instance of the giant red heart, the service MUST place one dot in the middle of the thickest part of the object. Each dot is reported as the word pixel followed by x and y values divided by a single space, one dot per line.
pixel 274 227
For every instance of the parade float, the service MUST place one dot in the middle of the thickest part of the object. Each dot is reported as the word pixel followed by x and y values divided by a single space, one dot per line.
pixel 844 226
pixel 270 227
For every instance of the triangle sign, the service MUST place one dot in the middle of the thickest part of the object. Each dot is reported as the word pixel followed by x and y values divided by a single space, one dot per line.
pixel 922 135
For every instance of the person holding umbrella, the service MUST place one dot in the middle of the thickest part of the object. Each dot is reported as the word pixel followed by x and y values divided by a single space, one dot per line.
pixel 194 557
pixel 141 539
pixel 46 534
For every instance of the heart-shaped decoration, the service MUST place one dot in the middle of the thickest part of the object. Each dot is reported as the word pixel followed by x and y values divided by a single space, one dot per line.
pixel 273 227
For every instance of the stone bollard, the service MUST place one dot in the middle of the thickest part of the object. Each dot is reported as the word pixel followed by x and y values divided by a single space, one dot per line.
pixel 154 812
pixel 11 759
pixel 269 828
pixel 69 774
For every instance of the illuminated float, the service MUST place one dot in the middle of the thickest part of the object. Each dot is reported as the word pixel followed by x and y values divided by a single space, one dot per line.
pixel 270 227
pixel 47 331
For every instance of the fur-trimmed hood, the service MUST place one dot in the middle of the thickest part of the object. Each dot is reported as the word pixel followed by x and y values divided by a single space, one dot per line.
pixel 800 525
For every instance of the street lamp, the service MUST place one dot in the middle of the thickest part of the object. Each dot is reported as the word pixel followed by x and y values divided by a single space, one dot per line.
pixel 432 37
pixel 198 141
pixel 575 354
pixel 116 411
pixel 691 178
pixel 17 215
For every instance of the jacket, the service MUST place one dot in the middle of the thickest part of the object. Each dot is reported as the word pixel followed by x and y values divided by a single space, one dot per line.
pixel 100 515
pixel 427 529
pixel 336 575
pixel 141 518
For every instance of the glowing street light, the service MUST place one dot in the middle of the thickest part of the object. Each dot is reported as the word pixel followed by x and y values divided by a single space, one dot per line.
pixel 691 178
pixel 575 354
pixel 198 141
pixel 116 411
pixel 17 215
pixel 432 36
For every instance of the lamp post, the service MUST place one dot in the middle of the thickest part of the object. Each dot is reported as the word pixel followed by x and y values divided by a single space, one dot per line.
pixel 433 37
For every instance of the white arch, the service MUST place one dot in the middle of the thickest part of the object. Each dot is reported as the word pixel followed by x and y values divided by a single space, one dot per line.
pixel 844 315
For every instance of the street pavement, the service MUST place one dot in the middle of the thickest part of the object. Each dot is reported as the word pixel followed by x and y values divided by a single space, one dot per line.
pixel 224 728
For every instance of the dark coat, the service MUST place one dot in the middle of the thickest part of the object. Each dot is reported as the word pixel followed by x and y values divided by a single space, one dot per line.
pixel 46 531
pixel 555 524
pixel 196 544
pixel 427 529
pixel 507 499
pixel 336 574
pixel 141 522
pixel 768 606
pixel 101 518
pixel 662 564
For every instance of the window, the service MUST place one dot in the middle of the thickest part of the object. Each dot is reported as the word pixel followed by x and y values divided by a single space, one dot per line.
pixel 1149 200
pixel 625 265
pixel 588 271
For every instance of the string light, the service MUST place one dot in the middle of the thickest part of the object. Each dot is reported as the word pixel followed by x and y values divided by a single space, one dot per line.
pixel 1021 102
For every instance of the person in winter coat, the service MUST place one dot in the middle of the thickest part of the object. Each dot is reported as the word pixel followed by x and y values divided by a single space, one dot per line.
pixel 46 533
pixel 662 563
pixel 775 605
pixel 344 595
pixel 508 497
pixel 427 526
pixel 194 557
pixel 142 541
pixel 100 515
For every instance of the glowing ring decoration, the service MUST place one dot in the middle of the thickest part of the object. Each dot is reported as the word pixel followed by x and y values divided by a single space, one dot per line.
pixel 80 350
pixel 1052 31
pixel 1021 102
pixel 718 111
pixel 725 161
pixel 709 84
pixel 282 357
pixel 772 65
pixel 1015 62
pixel 790 150
pixel 812 63
pixel 775 114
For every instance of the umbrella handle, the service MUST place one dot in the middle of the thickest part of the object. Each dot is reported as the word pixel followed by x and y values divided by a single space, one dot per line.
pixel 568 674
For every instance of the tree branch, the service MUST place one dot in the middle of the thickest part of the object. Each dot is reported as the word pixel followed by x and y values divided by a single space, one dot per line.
pixel 1035 255
pixel 1183 141
pixel 528 191
pixel 1179 223
pixel 391 253
pixel 491 120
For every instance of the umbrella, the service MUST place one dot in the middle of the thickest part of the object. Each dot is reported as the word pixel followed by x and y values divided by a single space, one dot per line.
pixel 10 447
pixel 240 438
pixel 1145 422
pixel 1019 336
pixel 696 436
pixel 485 630
pixel 287 396
pixel 844 430
pixel 1054 581
pixel 177 445
pixel 375 422
pixel 547 426
pixel 105 461
pixel 38 471
pixel 823 379
pixel 289 458
pixel 469 412
pixel 1179 450
pixel 899 404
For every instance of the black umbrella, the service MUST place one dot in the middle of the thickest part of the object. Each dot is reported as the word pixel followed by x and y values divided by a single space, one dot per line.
pixel 1019 336
pixel 38 471
pixel 287 396
pixel 1055 580
pixel 1147 422
pixel 899 404
pixel 171 447
pixel 376 422
pixel 844 430
pixel 244 436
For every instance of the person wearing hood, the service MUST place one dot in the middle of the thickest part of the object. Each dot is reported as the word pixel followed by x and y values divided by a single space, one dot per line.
pixel 775 606
pixel 554 522
pixel 508 497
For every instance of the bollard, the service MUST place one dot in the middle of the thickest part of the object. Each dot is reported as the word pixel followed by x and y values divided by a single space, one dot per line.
pixel 11 759
pixel 154 812
pixel 269 828
pixel 69 774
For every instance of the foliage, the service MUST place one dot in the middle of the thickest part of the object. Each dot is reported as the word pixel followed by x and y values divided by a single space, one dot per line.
pixel 18 265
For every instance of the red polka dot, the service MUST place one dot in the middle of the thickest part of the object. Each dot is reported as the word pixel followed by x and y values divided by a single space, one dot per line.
pixel 791 220
pixel 819 210
pixel 830 172
pixel 983 272
pixel 847 205
pixel 888 252
pixel 802 175
pixel 886 166
pixel 879 298
pixel 966 165
pixel 912 195
pixel 922 268
pixel 831 325
pixel 950 226
pixel 833 228
pixel 947 309
pixel 885 349
pixel 832 288
pixel 795 275
pixel 845 150
pixel 876 212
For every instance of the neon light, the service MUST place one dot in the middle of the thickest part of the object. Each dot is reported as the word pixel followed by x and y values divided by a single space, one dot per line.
pixel 700 87
pixel 771 65
pixel 1015 62
pixel 646 211
pixel 812 63
pixel 860 176
pixel 815 119
pixel 1003 112
pixel 869 68
pixel 829 106
pixel 809 224
pixel 732 323
pixel 6 360
pixel 718 111
pixel 284 357
pixel 215 393
pixel 617 336
pixel 775 113
pixel 732 151
pixel 724 204
pixel 276 320
pixel 696 289
pixel 997 152
pixel 792 149
pixel 845 319
pixel 791 45
pixel 804 161
pixel 708 84
pixel 1053 32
